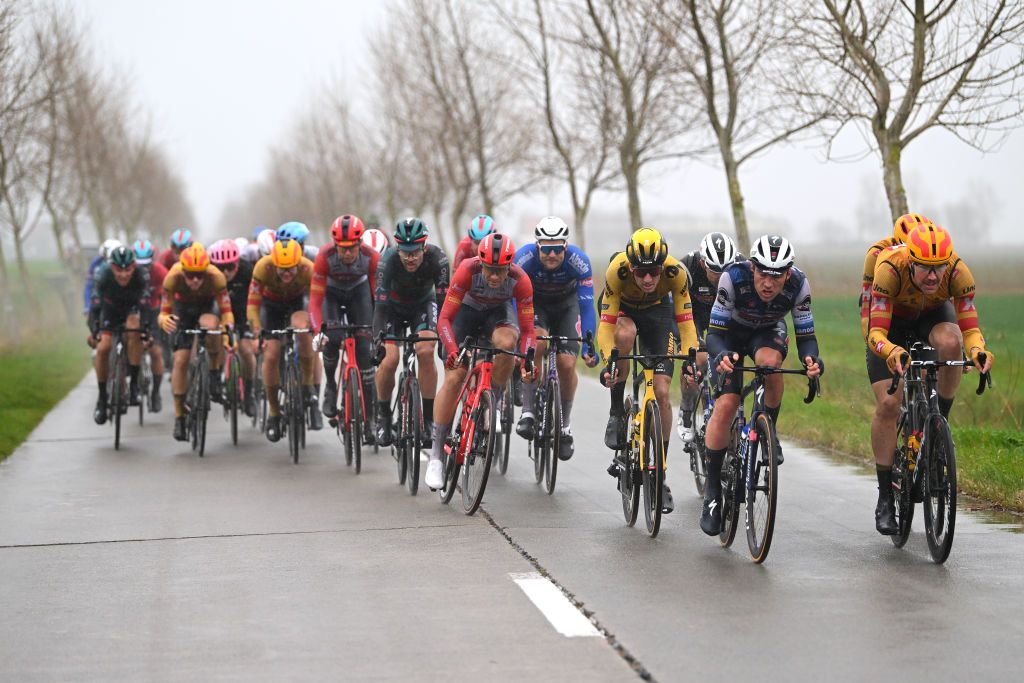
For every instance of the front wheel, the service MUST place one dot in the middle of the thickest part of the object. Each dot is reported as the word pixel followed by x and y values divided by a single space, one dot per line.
pixel 653 467
pixel 234 395
pixel 413 437
pixel 939 472
pixel 479 452
pixel 629 470
pixel 732 488
pixel 117 396
pixel 762 497
pixel 354 417
pixel 294 408
pixel 552 435
pixel 698 451
pixel 506 410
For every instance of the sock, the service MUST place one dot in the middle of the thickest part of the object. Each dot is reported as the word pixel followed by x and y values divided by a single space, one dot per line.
pixel 384 408
pixel 884 474
pixel 179 405
pixel 428 410
pixel 714 482
pixel 133 374
pixel 566 410
pixel 331 373
pixel 103 390
pixel 687 400
pixel 440 434
pixel 618 393
pixel 272 405
pixel 945 405
pixel 156 383
pixel 527 394
pixel 499 392
pixel 773 413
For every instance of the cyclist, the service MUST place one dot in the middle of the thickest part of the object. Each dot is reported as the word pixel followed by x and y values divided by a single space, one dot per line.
pixel 748 319
pixel 120 297
pixel 154 274
pixel 563 293
pixel 487 296
pixel 910 299
pixel 343 278
pixel 293 230
pixel 94 267
pixel 225 256
pixel 644 287
pixel 261 245
pixel 180 240
pixel 704 269
pixel 903 225
pixel 278 298
pixel 376 240
pixel 479 228
pixel 412 282
pixel 195 295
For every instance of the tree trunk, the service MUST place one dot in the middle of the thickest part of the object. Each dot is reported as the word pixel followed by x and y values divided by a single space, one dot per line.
pixel 580 216
pixel 23 273
pixel 892 177
pixel 55 227
pixel 631 173
pixel 739 211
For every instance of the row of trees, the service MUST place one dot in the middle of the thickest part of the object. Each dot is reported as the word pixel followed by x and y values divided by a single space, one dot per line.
pixel 476 101
pixel 74 150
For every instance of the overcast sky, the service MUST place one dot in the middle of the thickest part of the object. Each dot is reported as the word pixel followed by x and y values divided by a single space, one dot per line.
pixel 223 80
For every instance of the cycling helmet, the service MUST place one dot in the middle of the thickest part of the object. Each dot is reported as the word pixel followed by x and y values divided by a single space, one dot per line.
pixel 376 240
pixel 181 238
pixel 194 259
pixel 223 252
pixel 481 227
pixel 646 248
pixel 411 233
pixel 107 247
pixel 144 252
pixel 907 222
pixel 718 251
pixel 929 245
pixel 286 254
pixel 241 243
pixel 293 230
pixel 265 242
pixel 551 228
pixel 496 250
pixel 257 230
pixel 772 253
pixel 347 230
pixel 122 257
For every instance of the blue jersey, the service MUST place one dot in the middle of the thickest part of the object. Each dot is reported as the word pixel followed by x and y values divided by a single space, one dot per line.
pixel 553 287
pixel 90 278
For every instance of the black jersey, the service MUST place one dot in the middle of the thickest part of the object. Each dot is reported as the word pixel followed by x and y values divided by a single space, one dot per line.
pixel 396 285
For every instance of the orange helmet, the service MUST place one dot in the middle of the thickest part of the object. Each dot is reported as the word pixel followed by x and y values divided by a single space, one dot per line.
pixel 929 245
pixel 286 254
pixel 907 222
pixel 194 259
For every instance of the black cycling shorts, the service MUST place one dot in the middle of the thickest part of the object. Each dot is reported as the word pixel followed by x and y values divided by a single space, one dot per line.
pixel 414 317
pixel 746 342
pixel 656 331
pixel 561 318
pixel 904 332
pixel 277 315
pixel 188 319
pixel 115 315
pixel 358 309
pixel 480 324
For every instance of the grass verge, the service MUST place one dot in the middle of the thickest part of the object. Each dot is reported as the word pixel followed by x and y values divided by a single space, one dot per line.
pixel 33 378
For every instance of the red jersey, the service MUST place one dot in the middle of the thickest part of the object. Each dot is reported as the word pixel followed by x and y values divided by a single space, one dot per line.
pixel 167 258
pixel 157 273
pixel 464 251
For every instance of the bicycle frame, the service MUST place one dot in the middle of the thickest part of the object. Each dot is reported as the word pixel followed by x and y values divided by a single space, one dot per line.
pixel 346 362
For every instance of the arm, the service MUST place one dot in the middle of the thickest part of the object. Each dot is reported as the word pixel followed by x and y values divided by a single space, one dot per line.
pixel 523 293
pixel 585 295
pixel 721 315
pixel 886 283
pixel 255 301
pixel 962 288
pixel 442 278
pixel 317 288
pixel 610 303
pixel 683 310
pixel 870 260
pixel 803 323
pixel 459 286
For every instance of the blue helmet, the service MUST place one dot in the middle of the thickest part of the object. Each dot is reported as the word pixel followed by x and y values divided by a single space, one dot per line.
pixel 293 230
pixel 144 251
pixel 481 227
pixel 257 230
pixel 181 238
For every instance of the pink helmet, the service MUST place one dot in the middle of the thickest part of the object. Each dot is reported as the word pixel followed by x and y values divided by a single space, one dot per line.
pixel 223 252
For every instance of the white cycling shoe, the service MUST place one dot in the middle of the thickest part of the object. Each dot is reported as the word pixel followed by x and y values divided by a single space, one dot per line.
pixel 434 478
pixel 685 433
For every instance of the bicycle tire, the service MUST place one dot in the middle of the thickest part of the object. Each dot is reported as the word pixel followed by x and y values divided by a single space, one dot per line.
pixel 293 408
pixel 354 389
pixel 762 498
pixel 402 416
pixel 414 438
pixel 117 392
pixel 699 454
pixel 903 481
pixel 629 480
pixel 653 467
pixel 144 384
pixel 234 397
pixel 536 446
pixel 203 404
pixel 449 453
pixel 507 412
pixel 553 435
pixel 480 452
pixel 259 392
pixel 939 463
pixel 732 488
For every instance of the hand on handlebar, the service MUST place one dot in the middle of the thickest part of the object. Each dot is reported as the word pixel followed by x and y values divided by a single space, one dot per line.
pixel 453 360
pixel 319 342
pixel 590 359
pixel 897 360
pixel 726 361
pixel 168 323
pixel 815 367
pixel 93 339
pixel 982 359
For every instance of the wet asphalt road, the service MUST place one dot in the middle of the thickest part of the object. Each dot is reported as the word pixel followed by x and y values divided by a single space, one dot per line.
pixel 152 564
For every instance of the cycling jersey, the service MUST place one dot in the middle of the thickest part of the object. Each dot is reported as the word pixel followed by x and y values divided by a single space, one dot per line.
pixel 168 258
pixel 469 288
pixel 870 260
pixel 410 299
pixel 90 280
pixel 739 309
pixel 464 251
pixel 213 290
pixel 267 285
pixel 894 295
pixel 622 294
pixel 155 274
pixel 702 290
pixel 111 303
pixel 572 279
pixel 346 281
pixel 238 292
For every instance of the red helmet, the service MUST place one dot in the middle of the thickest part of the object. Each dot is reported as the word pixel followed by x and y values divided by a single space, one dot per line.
pixel 223 252
pixel 347 230
pixel 496 250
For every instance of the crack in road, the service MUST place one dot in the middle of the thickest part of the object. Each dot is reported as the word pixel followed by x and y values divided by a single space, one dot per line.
pixel 609 637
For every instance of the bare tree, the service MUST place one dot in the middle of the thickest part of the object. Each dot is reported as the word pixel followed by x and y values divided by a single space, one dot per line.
pixel 898 68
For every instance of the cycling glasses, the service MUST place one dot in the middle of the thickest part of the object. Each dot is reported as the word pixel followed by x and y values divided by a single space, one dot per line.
pixel 937 271
pixel 226 267
pixel 495 270
pixel 549 249
pixel 649 271
pixel 189 275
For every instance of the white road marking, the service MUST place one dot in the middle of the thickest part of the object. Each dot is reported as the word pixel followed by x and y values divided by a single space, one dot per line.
pixel 555 607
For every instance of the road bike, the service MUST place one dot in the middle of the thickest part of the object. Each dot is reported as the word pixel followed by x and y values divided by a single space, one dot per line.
pixel 924 469
pixel 547 442
pixel 696 450
pixel 409 434
pixel 290 399
pixel 117 377
pixel 350 410
pixel 506 417
pixel 197 395
pixel 750 470
pixel 470 446
pixel 145 385
pixel 234 390
pixel 643 461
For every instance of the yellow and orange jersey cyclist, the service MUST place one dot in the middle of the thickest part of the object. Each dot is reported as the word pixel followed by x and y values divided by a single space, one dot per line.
pixel 279 298
pixel 903 225
pixel 195 295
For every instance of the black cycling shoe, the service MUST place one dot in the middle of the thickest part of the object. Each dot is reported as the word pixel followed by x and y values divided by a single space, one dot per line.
pixel 156 404
pixel 615 432
pixel 249 402
pixel 616 467
pixel 527 427
pixel 330 400
pixel 384 437
pixel 667 504
pixel 711 515
pixel 180 429
pixel 274 428
pixel 566 446
pixel 133 395
pixel 885 515
pixel 216 387
pixel 316 421
pixel 99 415
pixel 427 437
pixel 369 435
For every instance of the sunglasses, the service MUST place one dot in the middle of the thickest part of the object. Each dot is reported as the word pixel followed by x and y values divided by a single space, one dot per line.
pixel 650 271
pixel 549 249
pixel 495 270
pixel 228 267
pixel 287 271
pixel 194 276
pixel 118 269
pixel 937 271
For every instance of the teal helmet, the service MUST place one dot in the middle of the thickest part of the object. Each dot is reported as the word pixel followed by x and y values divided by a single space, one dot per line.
pixel 411 234
pixel 122 257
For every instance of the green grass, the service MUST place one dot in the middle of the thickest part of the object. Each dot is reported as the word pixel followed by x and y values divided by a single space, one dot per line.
pixel 33 378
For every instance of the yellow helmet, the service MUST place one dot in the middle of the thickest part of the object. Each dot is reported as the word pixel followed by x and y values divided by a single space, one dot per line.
pixel 930 245
pixel 286 254
pixel 194 258
pixel 907 222
pixel 646 248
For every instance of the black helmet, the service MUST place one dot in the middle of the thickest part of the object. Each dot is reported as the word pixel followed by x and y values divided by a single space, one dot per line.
pixel 411 233
pixel 122 256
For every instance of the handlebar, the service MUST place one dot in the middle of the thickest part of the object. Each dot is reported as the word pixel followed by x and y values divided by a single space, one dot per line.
pixel 284 332
pixel 468 344
pixel 328 326
pixel 813 384
pixel 906 361
pixel 559 340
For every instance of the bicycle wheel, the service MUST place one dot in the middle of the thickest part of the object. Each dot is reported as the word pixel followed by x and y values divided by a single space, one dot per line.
pixel 145 382
pixel 234 395
pixel 450 460
pixel 414 436
pixel 762 499
pixel 732 488
pixel 479 452
pixel 117 395
pixel 398 448
pixel 537 445
pixel 629 479
pixel 902 484
pixel 653 467
pixel 698 451
pixel 293 408
pixel 506 411
pixel 259 393
pixel 939 471
pixel 354 434
pixel 552 435
pixel 203 404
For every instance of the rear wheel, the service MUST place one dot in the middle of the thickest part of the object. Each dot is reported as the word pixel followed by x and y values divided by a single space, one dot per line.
pixel 939 471
pixel 354 414
pixel 414 437
pixel 552 435
pixel 479 452
pixel 117 397
pixel 294 408
pixel 629 471
pixel 732 489
pixel 653 467
pixel 763 498
pixel 506 411
pixel 234 395
pixel 698 451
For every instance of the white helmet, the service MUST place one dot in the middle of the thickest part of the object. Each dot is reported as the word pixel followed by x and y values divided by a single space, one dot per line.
pixel 551 228
pixel 265 240
pixel 108 247
pixel 773 253
pixel 717 251
pixel 241 242
pixel 376 240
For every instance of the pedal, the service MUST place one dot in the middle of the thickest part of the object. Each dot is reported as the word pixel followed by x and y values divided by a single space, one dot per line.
pixel 333 421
